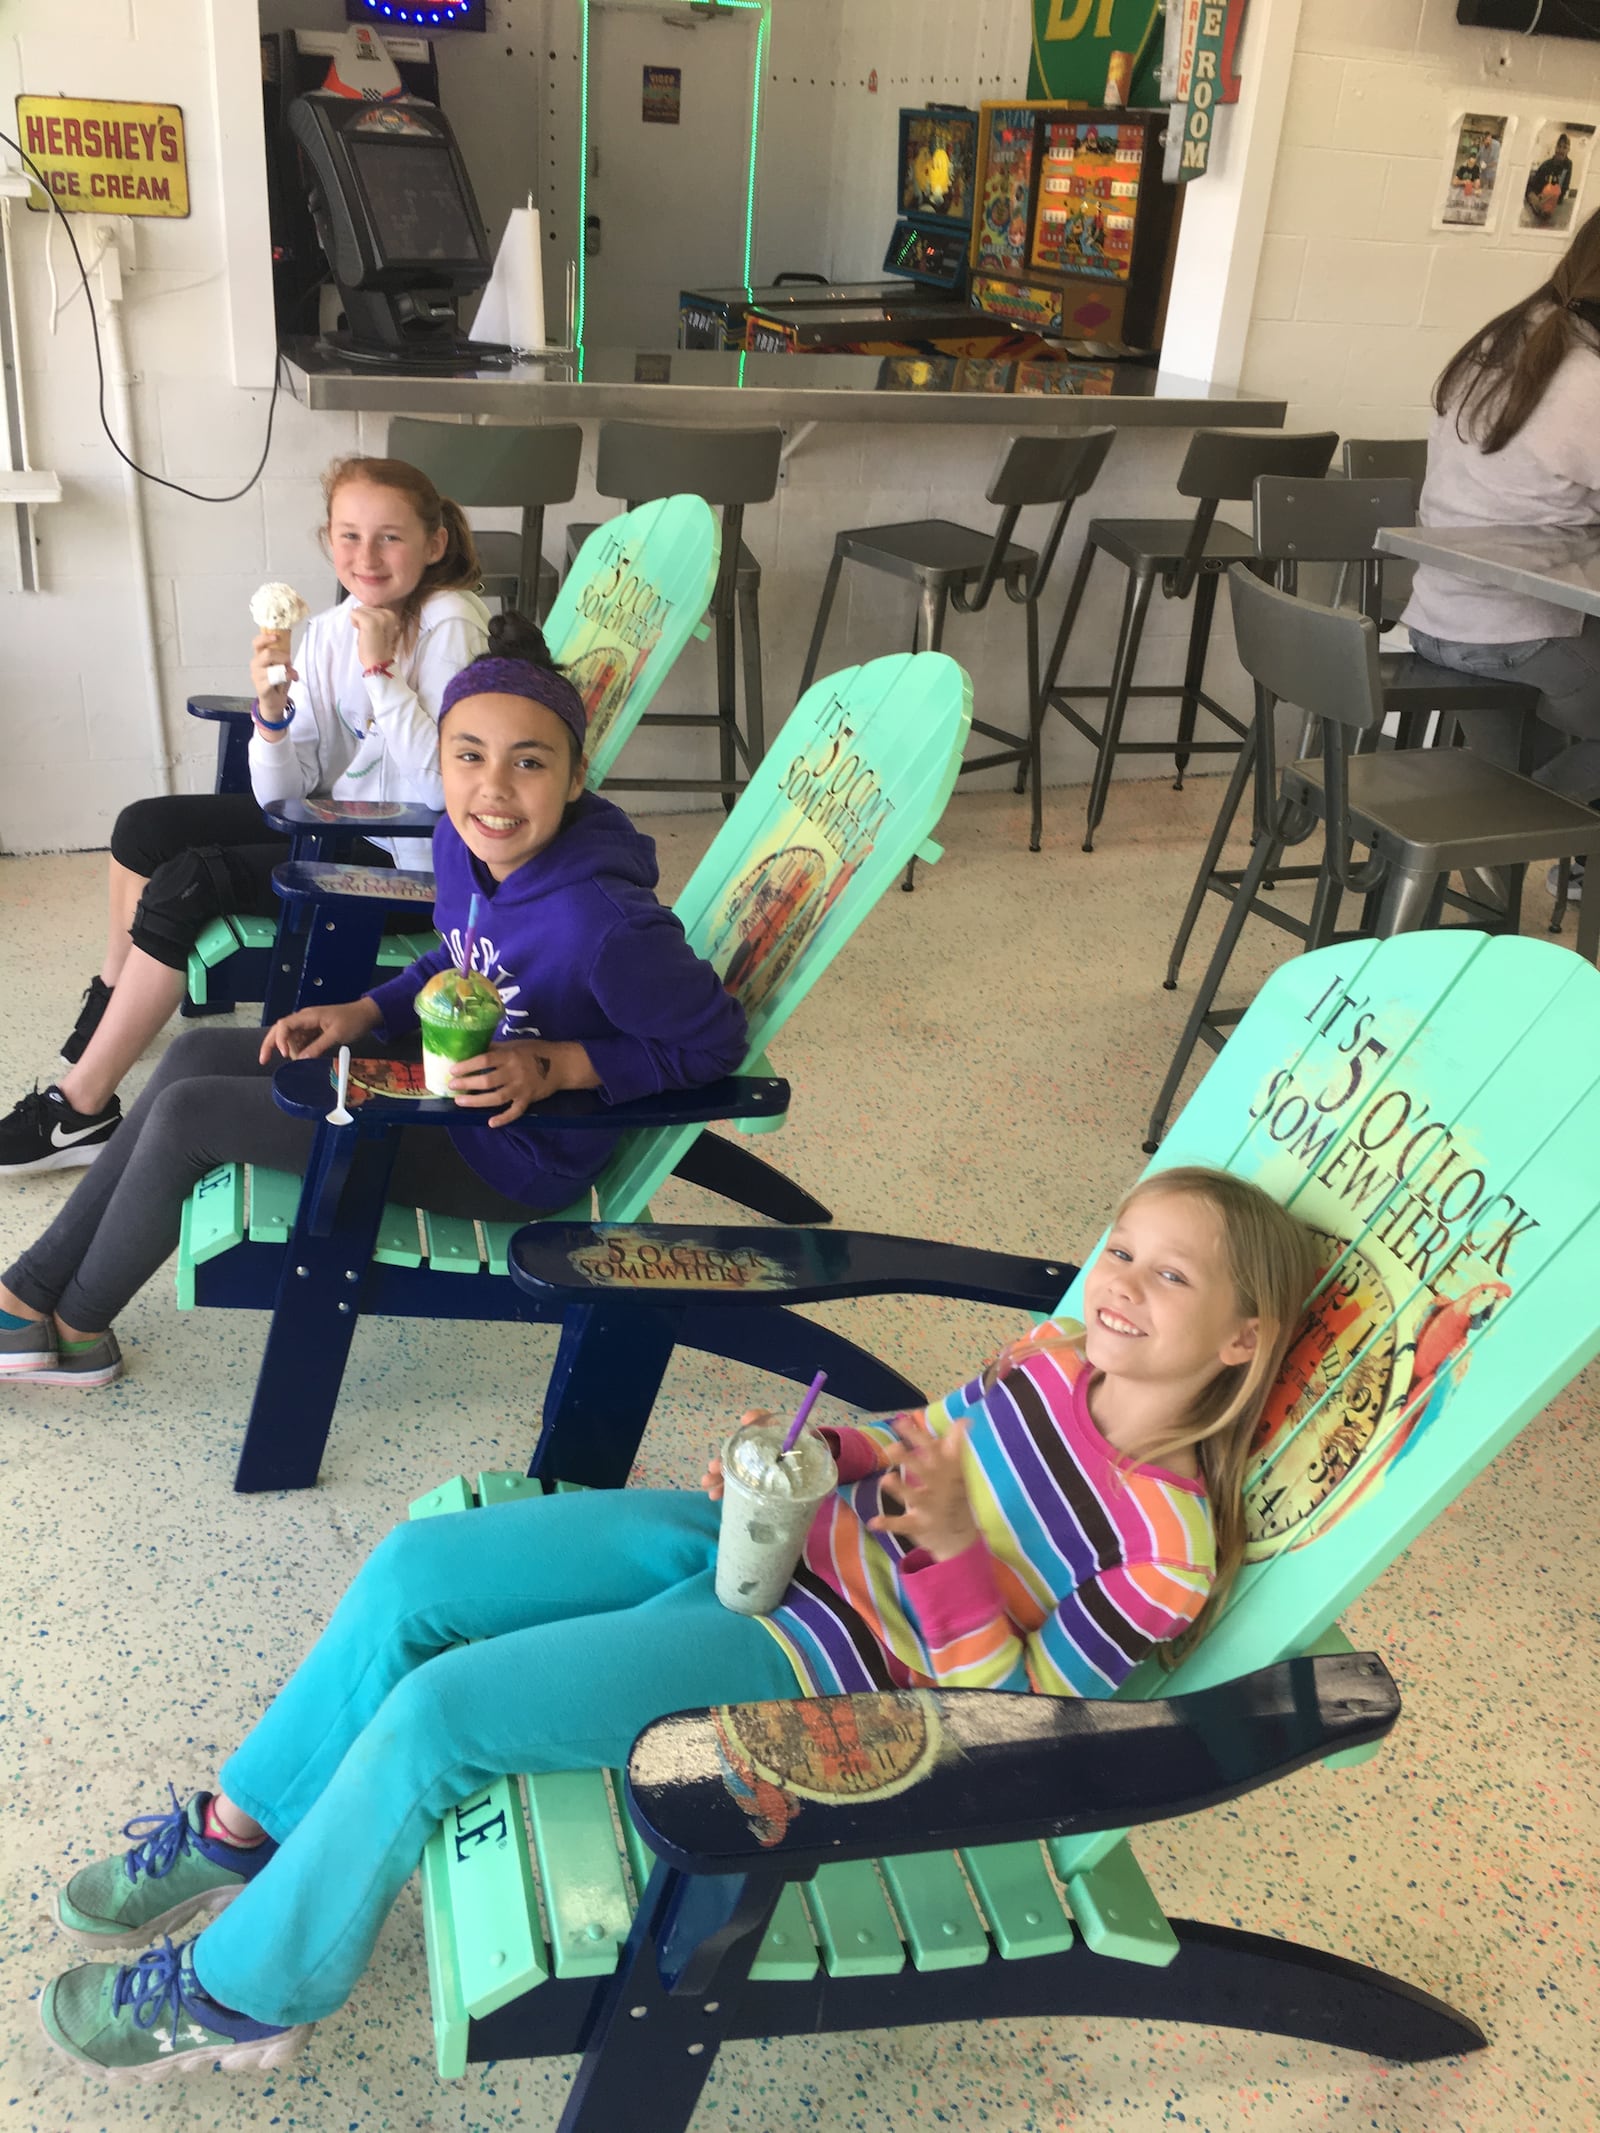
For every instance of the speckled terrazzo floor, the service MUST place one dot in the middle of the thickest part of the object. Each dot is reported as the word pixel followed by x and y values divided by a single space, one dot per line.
pixel 978 1065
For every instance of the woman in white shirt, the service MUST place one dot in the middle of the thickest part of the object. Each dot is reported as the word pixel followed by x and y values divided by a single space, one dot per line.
pixel 356 720
pixel 1516 441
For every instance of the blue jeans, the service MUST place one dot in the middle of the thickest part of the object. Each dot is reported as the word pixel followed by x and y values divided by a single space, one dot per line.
pixel 594 1613
pixel 1566 671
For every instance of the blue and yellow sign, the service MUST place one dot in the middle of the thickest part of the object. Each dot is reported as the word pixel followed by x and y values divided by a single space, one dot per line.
pixel 104 157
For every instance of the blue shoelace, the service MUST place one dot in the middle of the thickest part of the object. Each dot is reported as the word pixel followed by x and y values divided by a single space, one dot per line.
pixel 159 1984
pixel 160 1840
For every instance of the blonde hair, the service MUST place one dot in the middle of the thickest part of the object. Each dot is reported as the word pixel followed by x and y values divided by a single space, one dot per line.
pixel 457 569
pixel 1273 1266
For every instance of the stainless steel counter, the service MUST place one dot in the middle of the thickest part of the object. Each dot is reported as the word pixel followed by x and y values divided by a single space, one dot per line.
pixel 1558 564
pixel 701 386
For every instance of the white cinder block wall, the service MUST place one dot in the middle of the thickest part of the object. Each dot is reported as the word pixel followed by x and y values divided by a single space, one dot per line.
pixel 1360 301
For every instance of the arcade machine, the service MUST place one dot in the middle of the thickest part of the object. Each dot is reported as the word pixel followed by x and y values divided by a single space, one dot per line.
pixel 1075 234
pixel 387 199
pixel 928 246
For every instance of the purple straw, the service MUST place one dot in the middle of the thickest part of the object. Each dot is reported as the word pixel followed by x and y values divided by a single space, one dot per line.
pixel 470 938
pixel 806 1405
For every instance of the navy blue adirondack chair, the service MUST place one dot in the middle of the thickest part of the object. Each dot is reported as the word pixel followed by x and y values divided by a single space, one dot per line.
pixel 849 792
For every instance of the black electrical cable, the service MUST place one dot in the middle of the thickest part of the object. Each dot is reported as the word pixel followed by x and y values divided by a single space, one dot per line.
pixel 100 369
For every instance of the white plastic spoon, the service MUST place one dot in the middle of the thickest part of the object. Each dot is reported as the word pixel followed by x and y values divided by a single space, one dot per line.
pixel 339 1116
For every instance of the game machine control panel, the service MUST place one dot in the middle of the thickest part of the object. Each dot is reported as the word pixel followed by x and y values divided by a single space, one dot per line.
pixel 1075 231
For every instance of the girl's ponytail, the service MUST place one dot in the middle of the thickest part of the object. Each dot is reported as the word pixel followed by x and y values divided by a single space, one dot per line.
pixel 514 636
pixel 458 569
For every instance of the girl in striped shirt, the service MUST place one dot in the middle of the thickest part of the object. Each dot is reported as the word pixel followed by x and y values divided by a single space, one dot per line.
pixel 1075 1506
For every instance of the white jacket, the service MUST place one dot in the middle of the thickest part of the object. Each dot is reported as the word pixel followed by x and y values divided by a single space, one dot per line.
pixel 373 736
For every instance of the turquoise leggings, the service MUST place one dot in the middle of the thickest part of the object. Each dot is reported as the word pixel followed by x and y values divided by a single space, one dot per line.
pixel 595 1614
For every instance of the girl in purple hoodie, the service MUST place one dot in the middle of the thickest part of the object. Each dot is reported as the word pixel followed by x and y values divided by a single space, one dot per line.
pixel 601 990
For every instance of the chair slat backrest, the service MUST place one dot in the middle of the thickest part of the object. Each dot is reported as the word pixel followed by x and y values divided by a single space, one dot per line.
pixel 637 591
pixel 1430 1106
pixel 848 792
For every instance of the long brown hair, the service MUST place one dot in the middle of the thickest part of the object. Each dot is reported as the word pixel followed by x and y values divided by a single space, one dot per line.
pixel 1497 378
pixel 1272 1263
pixel 457 569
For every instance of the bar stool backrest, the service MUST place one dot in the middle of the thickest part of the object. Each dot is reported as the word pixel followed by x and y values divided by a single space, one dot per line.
pixel 1299 522
pixel 1035 468
pixel 1222 466
pixel 502 466
pixel 1324 661
pixel 498 468
pixel 643 460
pixel 1378 458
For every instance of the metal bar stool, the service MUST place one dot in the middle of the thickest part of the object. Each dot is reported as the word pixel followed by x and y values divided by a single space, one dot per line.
pixel 500 467
pixel 1422 813
pixel 640 461
pixel 1387 459
pixel 950 563
pixel 1297 522
pixel 1185 556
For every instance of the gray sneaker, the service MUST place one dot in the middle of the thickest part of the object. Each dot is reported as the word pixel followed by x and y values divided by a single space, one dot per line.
pixel 29 1348
pixel 88 1367
pixel 173 1873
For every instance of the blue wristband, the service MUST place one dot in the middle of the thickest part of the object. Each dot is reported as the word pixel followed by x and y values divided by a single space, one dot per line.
pixel 269 725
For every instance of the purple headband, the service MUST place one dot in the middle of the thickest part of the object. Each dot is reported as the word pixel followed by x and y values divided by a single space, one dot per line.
pixel 490 676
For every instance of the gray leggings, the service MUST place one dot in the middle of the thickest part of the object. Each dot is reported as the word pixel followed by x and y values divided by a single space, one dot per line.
pixel 1566 671
pixel 208 1102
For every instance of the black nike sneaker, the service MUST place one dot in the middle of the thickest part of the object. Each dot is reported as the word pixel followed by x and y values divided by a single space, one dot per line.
pixel 96 999
pixel 43 1132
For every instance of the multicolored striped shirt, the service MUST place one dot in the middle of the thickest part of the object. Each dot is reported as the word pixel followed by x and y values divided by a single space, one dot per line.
pixel 1085 1561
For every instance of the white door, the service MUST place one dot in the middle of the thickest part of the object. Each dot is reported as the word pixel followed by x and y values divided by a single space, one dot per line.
pixel 666 203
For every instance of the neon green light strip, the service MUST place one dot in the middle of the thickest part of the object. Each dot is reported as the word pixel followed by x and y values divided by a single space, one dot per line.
pixel 580 301
pixel 762 28
pixel 582 247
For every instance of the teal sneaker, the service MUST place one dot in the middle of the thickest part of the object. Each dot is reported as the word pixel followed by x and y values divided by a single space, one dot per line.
pixel 142 2021
pixel 173 1873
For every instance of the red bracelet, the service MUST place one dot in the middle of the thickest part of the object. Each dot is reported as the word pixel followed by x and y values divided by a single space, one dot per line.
pixel 384 666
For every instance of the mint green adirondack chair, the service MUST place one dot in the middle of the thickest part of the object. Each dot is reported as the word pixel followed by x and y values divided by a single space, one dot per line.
pixel 849 791
pixel 636 593
pixel 1430 1106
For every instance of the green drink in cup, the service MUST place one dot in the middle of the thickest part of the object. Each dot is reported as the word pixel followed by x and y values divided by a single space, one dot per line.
pixel 459 1012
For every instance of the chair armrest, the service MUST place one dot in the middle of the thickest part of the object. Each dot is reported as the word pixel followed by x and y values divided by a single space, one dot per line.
pixel 327 881
pixel 222 710
pixel 949 1768
pixel 356 818
pixel 304 1088
pixel 576 1261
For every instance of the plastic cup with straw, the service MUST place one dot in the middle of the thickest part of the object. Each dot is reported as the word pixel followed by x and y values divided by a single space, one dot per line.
pixel 771 1488
pixel 458 1011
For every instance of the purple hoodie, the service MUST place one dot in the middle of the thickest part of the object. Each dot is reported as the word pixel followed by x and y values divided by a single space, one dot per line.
pixel 580 950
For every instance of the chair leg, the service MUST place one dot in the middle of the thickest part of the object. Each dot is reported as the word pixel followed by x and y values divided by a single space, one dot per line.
pixel 1226 815
pixel 1194 669
pixel 1324 918
pixel 1069 616
pixel 727 706
pixel 1135 607
pixel 1589 921
pixel 1403 904
pixel 1563 895
pixel 928 628
pixel 1266 855
pixel 1032 769
pixel 755 715
pixel 819 629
